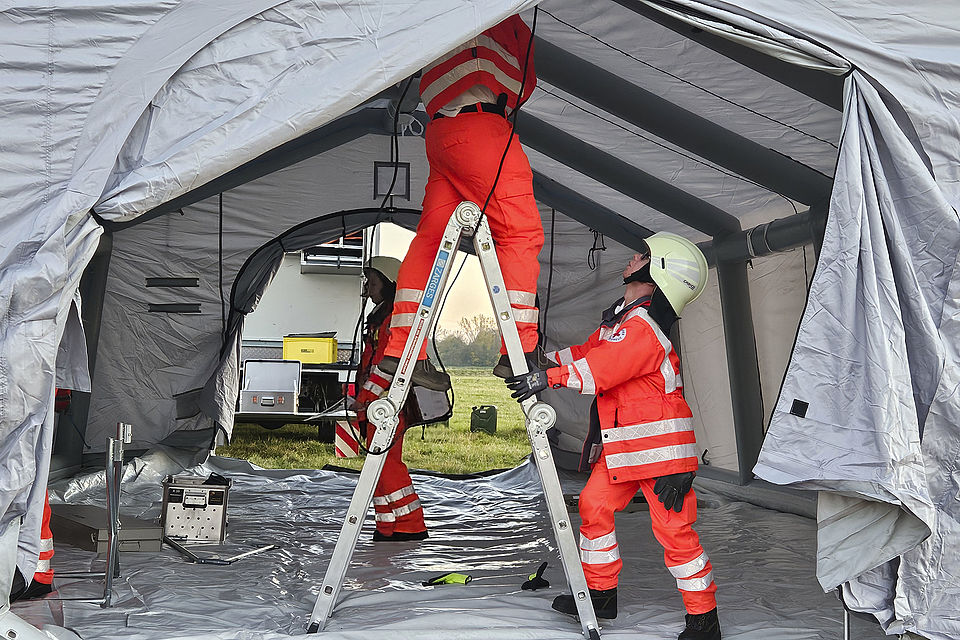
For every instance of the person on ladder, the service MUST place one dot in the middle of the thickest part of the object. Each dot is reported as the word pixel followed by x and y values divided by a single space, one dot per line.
pixel 641 430
pixel 468 94
pixel 399 515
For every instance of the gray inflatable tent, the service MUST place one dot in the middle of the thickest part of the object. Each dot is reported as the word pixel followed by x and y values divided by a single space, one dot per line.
pixel 811 148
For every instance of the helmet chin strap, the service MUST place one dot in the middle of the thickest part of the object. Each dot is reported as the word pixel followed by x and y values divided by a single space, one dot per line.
pixel 640 275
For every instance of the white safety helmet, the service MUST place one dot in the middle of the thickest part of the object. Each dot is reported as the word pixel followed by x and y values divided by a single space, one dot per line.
pixel 387 266
pixel 678 268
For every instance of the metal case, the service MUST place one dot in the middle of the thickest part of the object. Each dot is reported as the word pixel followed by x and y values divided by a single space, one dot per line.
pixel 194 508
pixel 270 386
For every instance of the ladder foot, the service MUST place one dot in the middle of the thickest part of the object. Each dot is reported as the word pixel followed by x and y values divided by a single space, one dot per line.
pixel 594 634
pixel 315 627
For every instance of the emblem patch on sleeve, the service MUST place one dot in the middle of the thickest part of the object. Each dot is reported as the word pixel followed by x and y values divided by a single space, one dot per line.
pixel 618 336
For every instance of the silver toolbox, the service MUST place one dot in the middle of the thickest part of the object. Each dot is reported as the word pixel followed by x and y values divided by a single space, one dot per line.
pixel 270 386
pixel 195 508
pixel 268 401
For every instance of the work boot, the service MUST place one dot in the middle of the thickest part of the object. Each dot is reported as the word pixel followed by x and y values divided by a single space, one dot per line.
pixel 399 536
pixel 604 603
pixel 701 626
pixel 424 373
pixel 536 359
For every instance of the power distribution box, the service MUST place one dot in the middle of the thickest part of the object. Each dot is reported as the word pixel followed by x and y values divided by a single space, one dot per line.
pixel 195 508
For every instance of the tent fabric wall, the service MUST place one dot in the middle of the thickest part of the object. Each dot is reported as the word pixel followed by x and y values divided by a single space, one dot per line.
pixel 80 101
pixel 130 106
pixel 147 361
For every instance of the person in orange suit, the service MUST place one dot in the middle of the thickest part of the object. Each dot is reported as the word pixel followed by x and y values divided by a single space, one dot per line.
pixel 468 94
pixel 641 433
pixel 399 515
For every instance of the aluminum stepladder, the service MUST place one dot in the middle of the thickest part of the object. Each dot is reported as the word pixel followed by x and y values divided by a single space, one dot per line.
pixel 465 220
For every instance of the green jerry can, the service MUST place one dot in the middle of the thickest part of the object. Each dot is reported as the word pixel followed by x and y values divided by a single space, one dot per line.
pixel 484 418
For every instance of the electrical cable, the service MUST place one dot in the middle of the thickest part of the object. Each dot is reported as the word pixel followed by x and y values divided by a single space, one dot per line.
pixel 546 306
pixel 395 145
pixel 598 245
pixel 688 82
pixel 360 327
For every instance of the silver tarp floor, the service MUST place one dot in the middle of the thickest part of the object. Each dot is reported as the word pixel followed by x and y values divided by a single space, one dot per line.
pixel 493 528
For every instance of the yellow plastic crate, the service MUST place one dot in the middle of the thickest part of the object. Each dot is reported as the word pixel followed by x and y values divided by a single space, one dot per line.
pixel 310 350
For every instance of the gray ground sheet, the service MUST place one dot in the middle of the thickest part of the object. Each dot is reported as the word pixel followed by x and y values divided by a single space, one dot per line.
pixel 494 528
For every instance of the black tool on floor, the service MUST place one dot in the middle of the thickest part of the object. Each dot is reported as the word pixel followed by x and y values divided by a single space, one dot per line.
pixel 536 580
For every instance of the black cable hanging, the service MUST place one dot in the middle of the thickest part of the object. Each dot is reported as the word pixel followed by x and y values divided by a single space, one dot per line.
pixel 546 306
pixel 598 245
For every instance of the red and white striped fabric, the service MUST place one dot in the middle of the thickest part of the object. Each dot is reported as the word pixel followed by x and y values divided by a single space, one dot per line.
pixel 44 571
pixel 646 425
pixel 494 59
pixel 345 443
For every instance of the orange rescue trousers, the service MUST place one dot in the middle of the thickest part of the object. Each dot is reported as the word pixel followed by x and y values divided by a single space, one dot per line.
pixel 684 557
pixel 464 153
pixel 395 501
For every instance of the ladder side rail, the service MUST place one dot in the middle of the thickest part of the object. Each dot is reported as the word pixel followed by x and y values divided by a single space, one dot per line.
pixel 539 418
pixel 383 414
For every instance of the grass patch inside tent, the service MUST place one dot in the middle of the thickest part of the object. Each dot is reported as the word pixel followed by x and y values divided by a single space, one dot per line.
pixel 447 449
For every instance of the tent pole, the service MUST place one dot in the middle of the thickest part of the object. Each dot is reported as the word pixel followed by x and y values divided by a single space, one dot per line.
pixel 742 364
pixel 589 213
pixel 701 136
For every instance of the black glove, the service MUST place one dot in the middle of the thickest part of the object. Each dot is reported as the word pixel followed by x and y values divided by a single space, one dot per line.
pixel 530 383
pixel 671 489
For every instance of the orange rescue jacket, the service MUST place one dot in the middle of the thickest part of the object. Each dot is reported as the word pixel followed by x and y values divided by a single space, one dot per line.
pixel 646 425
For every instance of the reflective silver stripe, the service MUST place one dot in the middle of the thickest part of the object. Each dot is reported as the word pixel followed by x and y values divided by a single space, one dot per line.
pixel 372 386
pixel 493 45
pixel 586 376
pixel 696 584
pixel 522 297
pixel 573 378
pixel 688 569
pixel 659 428
pixel 385 517
pixel 377 371
pixel 530 316
pixel 482 41
pixel 408 295
pixel 604 541
pixel 670 378
pixel 398 494
pixel 407 508
pixel 564 356
pixel 464 69
pixel 651 456
pixel 600 557
pixel 380 501
pixel 43 566
pixel 402 319
pixel 46 544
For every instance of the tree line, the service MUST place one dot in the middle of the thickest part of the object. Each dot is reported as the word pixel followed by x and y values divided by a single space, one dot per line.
pixel 474 343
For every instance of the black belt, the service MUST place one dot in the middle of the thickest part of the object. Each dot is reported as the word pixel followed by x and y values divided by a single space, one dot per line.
pixel 486 107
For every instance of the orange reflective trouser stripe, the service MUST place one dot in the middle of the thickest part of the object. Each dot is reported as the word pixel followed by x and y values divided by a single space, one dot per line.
pixel 395 502
pixel 464 153
pixel 44 572
pixel 682 553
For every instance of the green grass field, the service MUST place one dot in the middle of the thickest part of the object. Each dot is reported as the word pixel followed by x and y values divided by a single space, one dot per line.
pixel 447 449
